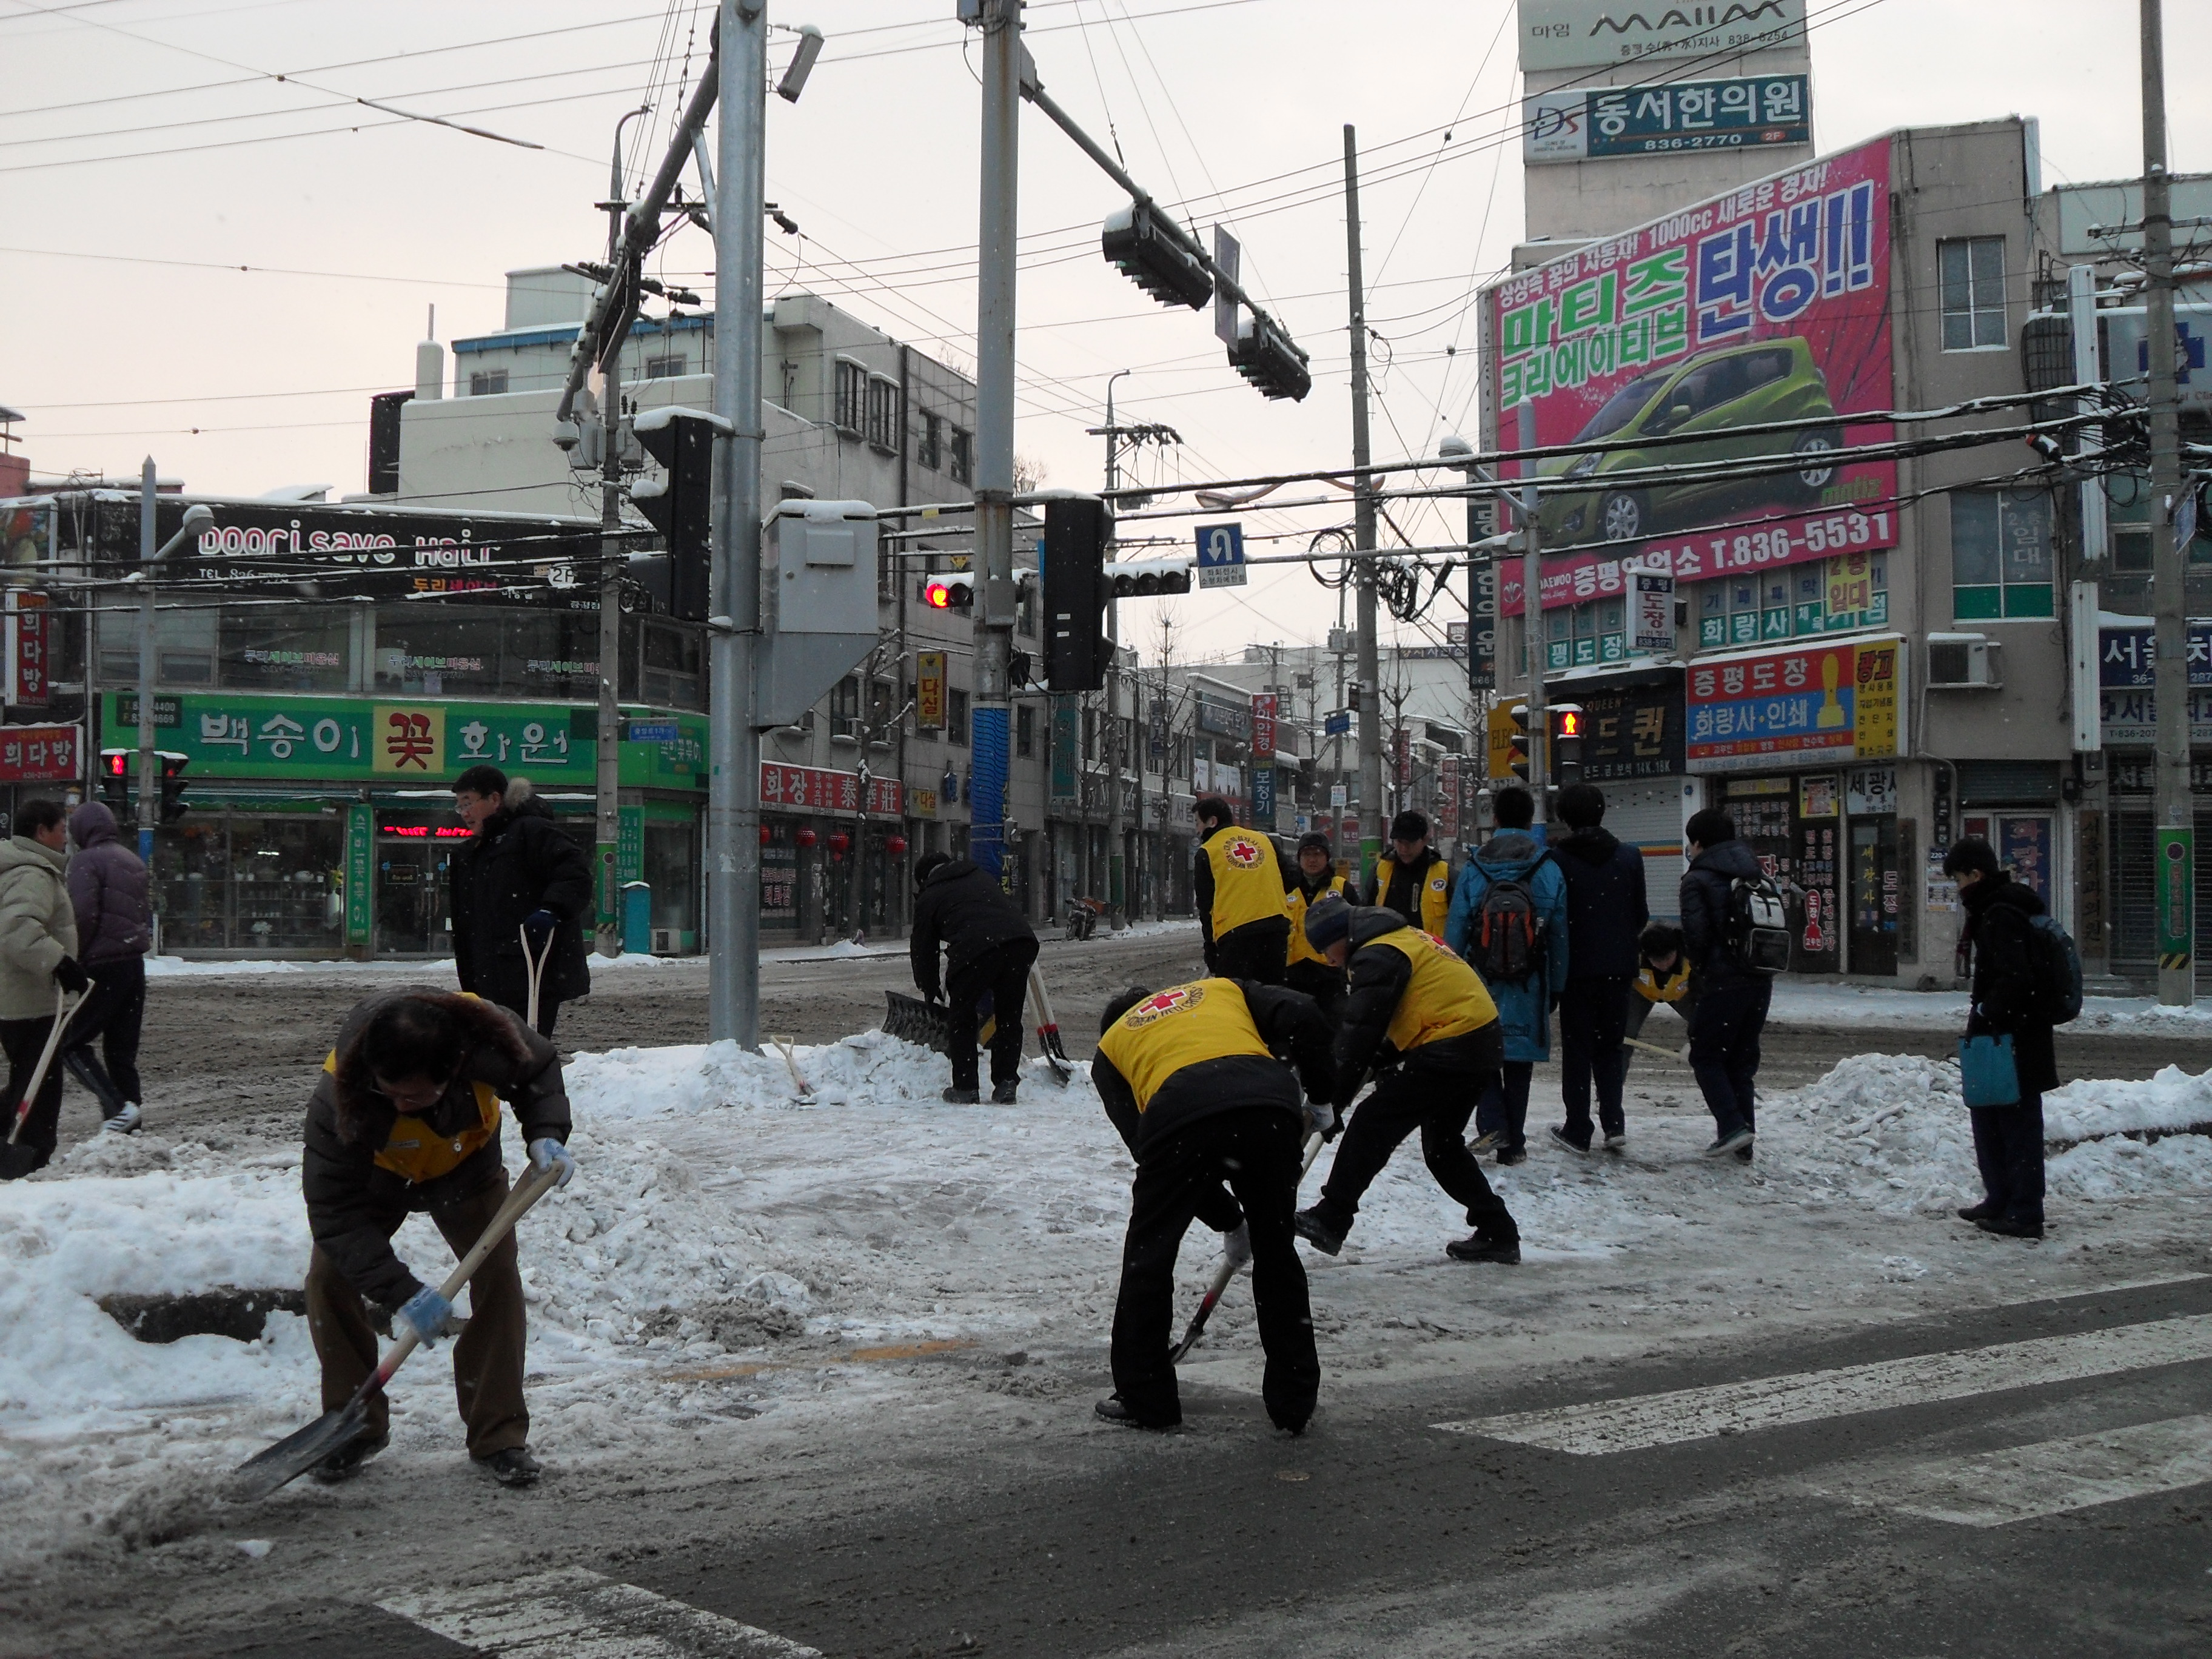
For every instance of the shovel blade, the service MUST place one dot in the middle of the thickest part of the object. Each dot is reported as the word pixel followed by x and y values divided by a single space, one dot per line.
pixel 296 1453
pixel 913 1020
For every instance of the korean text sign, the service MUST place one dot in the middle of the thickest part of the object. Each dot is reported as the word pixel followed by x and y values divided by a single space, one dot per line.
pixel 1770 303
pixel 1813 704
pixel 251 736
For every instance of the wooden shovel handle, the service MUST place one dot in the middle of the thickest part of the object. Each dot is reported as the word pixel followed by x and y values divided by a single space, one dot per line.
pixel 527 1191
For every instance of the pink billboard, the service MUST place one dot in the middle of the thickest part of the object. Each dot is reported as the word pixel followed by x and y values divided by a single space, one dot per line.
pixel 1769 304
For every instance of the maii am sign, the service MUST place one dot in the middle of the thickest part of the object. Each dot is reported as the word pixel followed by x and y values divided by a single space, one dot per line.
pixel 1221 555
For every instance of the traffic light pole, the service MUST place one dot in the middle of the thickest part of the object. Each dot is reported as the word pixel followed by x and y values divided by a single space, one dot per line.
pixel 1532 651
pixel 1116 873
pixel 150 762
pixel 1371 670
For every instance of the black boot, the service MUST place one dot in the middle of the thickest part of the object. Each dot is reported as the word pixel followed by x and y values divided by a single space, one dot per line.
pixel 1477 1247
pixel 345 1462
pixel 1312 1226
pixel 960 1096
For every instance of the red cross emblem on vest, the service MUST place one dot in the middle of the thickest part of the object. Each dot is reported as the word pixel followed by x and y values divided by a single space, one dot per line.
pixel 1243 854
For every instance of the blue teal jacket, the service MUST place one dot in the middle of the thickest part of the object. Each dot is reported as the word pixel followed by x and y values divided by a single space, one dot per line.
pixel 1524 1010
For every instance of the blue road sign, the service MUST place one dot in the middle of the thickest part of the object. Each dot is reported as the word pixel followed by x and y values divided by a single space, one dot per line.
pixel 1221 555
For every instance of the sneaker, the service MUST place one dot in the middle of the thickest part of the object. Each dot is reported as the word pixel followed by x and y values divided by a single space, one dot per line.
pixel 1002 1094
pixel 345 1462
pixel 962 1096
pixel 1485 1142
pixel 1509 1156
pixel 1736 1142
pixel 514 1467
pixel 1477 1247
pixel 1743 1154
pixel 1982 1211
pixel 1615 1140
pixel 1111 1410
pixel 1580 1148
pixel 2004 1228
pixel 126 1121
pixel 1310 1226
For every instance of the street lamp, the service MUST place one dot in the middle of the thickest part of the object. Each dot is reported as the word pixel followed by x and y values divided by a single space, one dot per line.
pixel 198 517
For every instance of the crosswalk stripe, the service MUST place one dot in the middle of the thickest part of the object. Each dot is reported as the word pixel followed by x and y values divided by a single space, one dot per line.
pixel 578 1614
pixel 1686 1415
pixel 1989 1489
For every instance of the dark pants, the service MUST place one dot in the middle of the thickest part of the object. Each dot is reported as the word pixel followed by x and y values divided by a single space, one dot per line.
pixel 1255 1150
pixel 112 1014
pixel 1004 972
pixel 1258 950
pixel 1437 1100
pixel 2009 1147
pixel 1725 1051
pixel 1503 1107
pixel 1639 1010
pixel 487 1355
pixel 1323 983
pixel 1593 1020
pixel 21 1040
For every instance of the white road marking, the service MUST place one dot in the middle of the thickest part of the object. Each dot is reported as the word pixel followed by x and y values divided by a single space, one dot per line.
pixel 1685 1414
pixel 1989 1489
pixel 577 1614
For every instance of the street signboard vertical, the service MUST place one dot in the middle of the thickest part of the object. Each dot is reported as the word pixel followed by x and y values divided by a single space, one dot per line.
pixel 1653 622
pixel 1221 555
pixel 1482 624
pixel 929 691
pixel 27 648
pixel 360 863
pixel 1263 728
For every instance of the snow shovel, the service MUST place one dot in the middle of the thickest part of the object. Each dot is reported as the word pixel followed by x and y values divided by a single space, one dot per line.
pixel 1226 1272
pixel 791 1061
pixel 1682 1054
pixel 65 1011
pixel 537 968
pixel 296 1453
pixel 912 1020
pixel 1047 1030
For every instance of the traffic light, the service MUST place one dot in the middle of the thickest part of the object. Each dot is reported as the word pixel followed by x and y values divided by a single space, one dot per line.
pixel 1153 252
pixel 950 591
pixel 681 506
pixel 1567 737
pixel 1076 531
pixel 1520 740
pixel 1265 355
pixel 172 785
pixel 115 781
pixel 1141 579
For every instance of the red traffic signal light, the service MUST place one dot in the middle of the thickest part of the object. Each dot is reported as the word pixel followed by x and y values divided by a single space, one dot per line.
pixel 954 592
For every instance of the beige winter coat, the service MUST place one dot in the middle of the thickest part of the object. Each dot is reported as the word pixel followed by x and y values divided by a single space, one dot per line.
pixel 37 927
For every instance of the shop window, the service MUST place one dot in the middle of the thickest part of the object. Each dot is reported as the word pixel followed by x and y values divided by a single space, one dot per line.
pixel 931 454
pixel 266 886
pixel 671 656
pixel 956 717
pixel 851 412
pixel 2001 555
pixel 962 468
pixel 427 652
pixel 1972 278
pixel 283 647
pixel 671 870
pixel 542 653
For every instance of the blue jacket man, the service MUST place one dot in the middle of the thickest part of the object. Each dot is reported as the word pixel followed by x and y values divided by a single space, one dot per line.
pixel 1524 1008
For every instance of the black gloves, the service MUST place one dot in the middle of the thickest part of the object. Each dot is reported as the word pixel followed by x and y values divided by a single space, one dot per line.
pixel 72 978
pixel 538 925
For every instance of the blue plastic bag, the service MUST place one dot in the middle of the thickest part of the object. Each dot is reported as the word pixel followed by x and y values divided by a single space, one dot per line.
pixel 1987 1073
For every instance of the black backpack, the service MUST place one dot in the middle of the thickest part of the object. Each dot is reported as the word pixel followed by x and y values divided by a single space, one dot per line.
pixel 1758 924
pixel 2058 968
pixel 1507 946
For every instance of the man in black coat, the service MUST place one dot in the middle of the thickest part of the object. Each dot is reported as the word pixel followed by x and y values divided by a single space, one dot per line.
pixel 988 947
pixel 1732 995
pixel 2008 1140
pixel 517 874
pixel 1606 911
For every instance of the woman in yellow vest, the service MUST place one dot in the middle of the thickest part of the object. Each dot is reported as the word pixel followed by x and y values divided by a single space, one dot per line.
pixel 1418 1016
pixel 1310 970
pixel 405 1119
pixel 1243 918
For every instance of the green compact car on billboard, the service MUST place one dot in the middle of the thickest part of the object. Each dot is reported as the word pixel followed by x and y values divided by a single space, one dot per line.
pixel 1698 406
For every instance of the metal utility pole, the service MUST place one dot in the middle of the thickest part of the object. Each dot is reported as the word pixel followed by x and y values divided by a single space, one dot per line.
pixel 149 762
pixel 2176 811
pixel 733 626
pixel 1532 652
pixel 1370 672
pixel 607 784
pixel 991 705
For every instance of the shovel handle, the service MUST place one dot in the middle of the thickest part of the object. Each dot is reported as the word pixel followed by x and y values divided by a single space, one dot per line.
pixel 65 1011
pixel 537 961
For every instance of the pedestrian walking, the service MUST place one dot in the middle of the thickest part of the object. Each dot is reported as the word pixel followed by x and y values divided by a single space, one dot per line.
pixel 1732 995
pixel 405 1120
pixel 1410 877
pixel 38 951
pixel 517 877
pixel 108 893
pixel 1509 918
pixel 2008 999
pixel 1606 911
pixel 989 948
pixel 1241 887
pixel 1310 970
pixel 1419 1019
pixel 1192 1077
pixel 1663 980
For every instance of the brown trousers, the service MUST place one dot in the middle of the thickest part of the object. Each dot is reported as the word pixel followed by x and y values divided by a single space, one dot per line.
pixel 487 1355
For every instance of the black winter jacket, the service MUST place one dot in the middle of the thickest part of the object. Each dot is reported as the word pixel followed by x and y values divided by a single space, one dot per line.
pixel 353 1207
pixel 517 863
pixel 107 888
pixel 1377 979
pixel 964 908
pixel 1401 890
pixel 1605 904
pixel 1706 887
pixel 1997 912
pixel 1290 1022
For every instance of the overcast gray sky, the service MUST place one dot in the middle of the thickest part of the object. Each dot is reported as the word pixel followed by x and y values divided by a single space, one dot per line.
pixel 147 150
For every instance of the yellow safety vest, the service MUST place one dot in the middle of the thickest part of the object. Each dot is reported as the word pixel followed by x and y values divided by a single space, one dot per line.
pixel 1182 1025
pixel 1445 998
pixel 1436 893
pixel 1247 884
pixel 1296 902
pixel 414 1153
pixel 1651 989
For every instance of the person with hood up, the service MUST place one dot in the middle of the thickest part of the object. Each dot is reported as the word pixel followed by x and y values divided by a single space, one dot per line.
pixel 1663 979
pixel 1605 910
pixel 518 875
pixel 1310 969
pixel 38 951
pixel 1509 918
pixel 1411 877
pixel 1240 883
pixel 1420 1020
pixel 989 948
pixel 2008 1140
pixel 405 1120
pixel 1732 995
pixel 107 888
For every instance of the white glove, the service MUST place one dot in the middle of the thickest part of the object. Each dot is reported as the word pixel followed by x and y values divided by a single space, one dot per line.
pixel 1323 1116
pixel 1237 1246
pixel 546 1153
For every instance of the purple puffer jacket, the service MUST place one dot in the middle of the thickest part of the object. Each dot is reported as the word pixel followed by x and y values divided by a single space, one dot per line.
pixel 108 889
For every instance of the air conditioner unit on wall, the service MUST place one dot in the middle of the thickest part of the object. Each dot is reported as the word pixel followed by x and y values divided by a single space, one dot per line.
pixel 1963 662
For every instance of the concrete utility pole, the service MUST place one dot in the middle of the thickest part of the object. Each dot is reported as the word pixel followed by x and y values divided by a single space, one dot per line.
pixel 607 783
pixel 733 626
pixel 1117 915
pixel 1371 698
pixel 991 705
pixel 2175 810
pixel 1532 651
pixel 149 762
